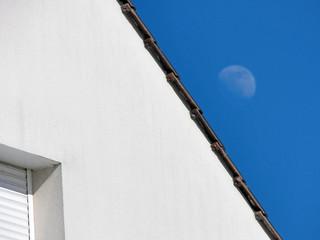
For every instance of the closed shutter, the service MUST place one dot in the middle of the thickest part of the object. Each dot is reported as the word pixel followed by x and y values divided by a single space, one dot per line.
pixel 14 220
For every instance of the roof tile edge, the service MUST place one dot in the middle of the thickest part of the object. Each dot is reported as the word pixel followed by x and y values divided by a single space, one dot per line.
pixel 173 78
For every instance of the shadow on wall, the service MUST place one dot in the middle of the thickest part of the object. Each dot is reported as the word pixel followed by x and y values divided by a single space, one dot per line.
pixel 23 159
pixel 41 176
pixel 48 203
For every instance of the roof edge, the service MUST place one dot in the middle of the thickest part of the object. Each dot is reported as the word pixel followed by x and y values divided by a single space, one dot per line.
pixel 196 114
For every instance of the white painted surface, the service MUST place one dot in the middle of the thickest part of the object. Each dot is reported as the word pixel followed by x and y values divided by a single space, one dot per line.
pixel 77 86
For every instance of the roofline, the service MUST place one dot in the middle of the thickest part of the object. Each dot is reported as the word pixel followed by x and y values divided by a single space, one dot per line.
pixel 173 78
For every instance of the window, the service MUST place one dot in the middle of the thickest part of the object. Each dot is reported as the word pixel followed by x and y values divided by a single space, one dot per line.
pixel 30 196
pixel 15 203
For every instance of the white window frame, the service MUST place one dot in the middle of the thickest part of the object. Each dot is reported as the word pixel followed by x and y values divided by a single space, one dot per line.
pixel 30 205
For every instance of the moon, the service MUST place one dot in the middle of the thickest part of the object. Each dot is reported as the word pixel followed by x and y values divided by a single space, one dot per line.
pixel 238 81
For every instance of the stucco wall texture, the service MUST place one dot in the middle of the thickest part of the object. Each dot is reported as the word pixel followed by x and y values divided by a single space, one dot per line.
pixel 78 87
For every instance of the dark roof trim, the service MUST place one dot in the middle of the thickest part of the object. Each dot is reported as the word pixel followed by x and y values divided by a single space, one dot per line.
pixel 266 225
pixel 226 161
pixel 238 180
pixel 149 42
pixel 136 22
pixel 182 92
pixel 248 195
pixel 173 78
pixel 160 58
pixel 205 127
pixel 123 2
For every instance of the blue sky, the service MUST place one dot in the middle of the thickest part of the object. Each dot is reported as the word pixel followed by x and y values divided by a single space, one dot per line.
pixel 273 137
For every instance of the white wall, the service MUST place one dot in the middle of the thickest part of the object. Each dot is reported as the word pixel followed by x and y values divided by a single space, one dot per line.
pixel 78 87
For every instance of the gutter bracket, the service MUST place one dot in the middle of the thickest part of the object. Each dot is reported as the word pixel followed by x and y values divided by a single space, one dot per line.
pixel 152 46
pixel 267 226
pixel 226 161
pixel 205 127
pixel 248 195
pixel 181 91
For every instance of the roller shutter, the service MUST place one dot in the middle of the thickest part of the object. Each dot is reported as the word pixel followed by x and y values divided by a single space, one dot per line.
pixel 14 220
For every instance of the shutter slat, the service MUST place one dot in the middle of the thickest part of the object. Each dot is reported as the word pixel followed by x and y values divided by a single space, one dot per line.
pixel 7 234
pixel 14 227
pixel 14 220
pixel 12 195
pixel 13 188
pixel 13 212
pixel 14 204
pixel 10 179
pixel 13 170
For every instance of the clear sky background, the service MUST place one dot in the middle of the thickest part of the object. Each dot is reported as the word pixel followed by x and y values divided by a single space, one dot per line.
pixel 272 137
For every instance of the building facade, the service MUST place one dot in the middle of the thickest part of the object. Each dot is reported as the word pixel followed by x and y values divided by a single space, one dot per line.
pixel 96 144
